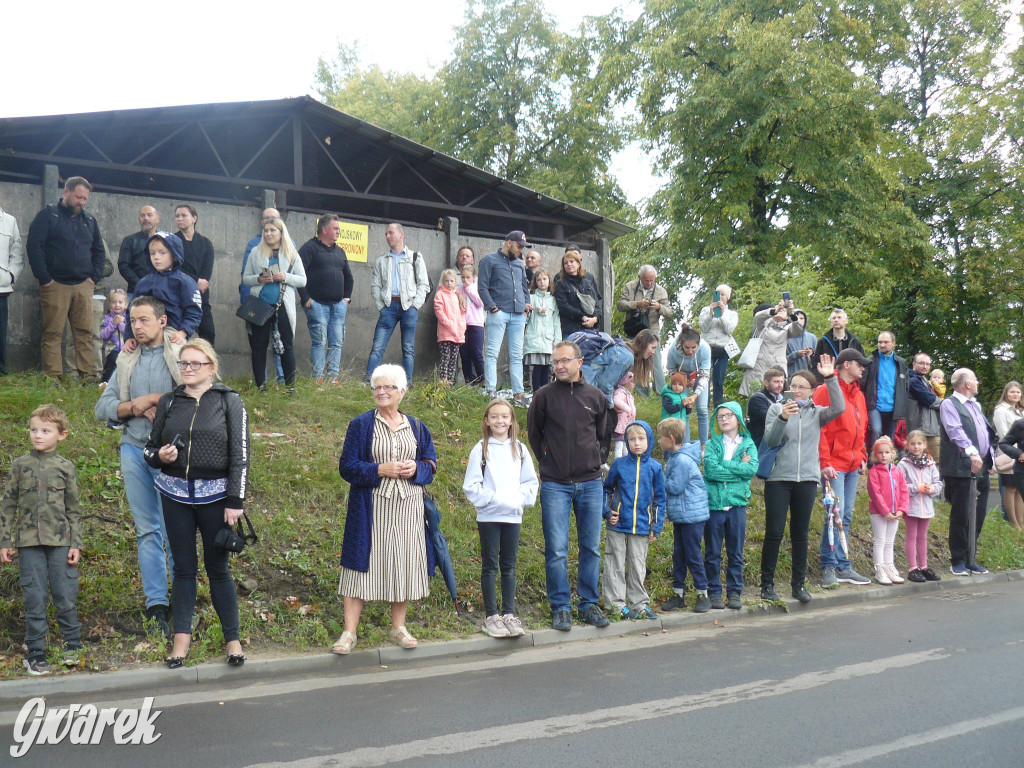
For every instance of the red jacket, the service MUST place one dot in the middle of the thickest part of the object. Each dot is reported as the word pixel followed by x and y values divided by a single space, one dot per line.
pixel 887 490
pixel 842 440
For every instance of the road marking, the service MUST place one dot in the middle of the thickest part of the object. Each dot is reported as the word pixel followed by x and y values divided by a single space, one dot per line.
pixel 964 727
pixel 551 727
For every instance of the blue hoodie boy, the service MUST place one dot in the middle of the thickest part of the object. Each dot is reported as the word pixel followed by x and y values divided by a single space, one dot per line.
pixel 178 292
pixel 640 486
pixel 687 496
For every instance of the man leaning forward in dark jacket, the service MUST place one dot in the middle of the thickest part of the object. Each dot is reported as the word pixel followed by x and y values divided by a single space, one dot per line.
pixel 565 422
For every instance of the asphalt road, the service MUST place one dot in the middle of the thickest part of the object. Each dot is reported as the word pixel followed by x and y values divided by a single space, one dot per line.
pixel 926 680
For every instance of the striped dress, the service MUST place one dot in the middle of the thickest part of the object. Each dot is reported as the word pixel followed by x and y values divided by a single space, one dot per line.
pixel 398 547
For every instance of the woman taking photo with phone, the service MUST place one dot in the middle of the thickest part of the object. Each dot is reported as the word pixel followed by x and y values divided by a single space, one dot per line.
pixel 273 272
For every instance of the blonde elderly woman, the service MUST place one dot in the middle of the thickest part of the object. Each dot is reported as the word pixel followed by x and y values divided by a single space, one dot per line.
pixel 717 323
pixel 273 272
pixel 387 459
pixel 775 325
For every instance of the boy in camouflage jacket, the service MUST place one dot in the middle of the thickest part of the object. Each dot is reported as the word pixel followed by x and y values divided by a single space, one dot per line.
pixel 41 518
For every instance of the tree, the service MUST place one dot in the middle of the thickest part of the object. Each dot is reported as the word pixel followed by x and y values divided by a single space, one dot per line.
pixel 514 98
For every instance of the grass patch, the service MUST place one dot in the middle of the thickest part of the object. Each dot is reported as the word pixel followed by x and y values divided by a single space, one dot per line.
pixel 288 583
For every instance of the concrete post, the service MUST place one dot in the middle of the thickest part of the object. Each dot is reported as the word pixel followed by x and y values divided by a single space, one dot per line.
pixel 450 227
pixel 51 181
pixel 269 200
pixel 607 277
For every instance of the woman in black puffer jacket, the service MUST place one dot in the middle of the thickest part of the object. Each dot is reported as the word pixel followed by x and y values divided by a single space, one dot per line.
pixel 574 283
pixel 200 442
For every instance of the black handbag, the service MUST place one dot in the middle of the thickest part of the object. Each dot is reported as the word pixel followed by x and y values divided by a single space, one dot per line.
pixel 256 311
pixel 236 539
pixel 636 319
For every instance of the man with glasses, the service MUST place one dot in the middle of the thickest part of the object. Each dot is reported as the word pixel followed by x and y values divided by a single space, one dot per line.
pixel 133 402
pixel 923 403
pixel 501 281
pixel 564 423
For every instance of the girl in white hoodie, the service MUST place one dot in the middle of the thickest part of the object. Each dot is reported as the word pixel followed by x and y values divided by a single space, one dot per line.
pixel 500 481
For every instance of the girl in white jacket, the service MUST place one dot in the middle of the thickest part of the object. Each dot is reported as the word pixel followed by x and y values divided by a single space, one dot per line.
pixel 500 481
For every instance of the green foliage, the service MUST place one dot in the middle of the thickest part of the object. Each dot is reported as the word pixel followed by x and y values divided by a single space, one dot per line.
pixel 514 97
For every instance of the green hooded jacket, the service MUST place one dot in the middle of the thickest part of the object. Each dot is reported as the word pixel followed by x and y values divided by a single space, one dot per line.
pixel 728 480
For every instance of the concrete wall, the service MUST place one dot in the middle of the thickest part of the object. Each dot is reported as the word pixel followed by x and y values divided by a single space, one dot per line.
pixel 230 228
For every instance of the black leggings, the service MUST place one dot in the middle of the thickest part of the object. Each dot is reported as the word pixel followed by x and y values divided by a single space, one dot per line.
pixel 259 339
pixel 182 520
pixel 781 496
pixel 499 548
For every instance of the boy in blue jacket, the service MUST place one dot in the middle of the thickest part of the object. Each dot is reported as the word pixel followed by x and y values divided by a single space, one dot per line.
pixel 687 508
pixel 177 290
pixel 730 461
pixel 634 503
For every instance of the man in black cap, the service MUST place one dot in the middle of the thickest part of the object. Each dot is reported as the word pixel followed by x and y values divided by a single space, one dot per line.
pixel 842 457
pixel 501 281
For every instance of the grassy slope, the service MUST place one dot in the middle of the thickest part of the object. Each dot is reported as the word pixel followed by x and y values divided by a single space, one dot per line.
pixel 297 503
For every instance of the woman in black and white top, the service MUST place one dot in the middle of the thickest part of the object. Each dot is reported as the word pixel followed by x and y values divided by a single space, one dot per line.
pixel 200 442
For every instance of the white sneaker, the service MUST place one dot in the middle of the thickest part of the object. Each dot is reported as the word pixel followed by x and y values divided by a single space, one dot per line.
pixel 513 625
pixel 881 576
pixel 495 627
pixel 892 573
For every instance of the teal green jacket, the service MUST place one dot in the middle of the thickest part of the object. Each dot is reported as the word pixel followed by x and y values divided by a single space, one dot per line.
pixel 728 480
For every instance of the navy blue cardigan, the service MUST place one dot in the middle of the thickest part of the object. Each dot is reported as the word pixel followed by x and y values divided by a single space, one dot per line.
pixel 358 468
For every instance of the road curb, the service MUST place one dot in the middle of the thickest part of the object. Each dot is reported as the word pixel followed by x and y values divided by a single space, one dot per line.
pixel 155 676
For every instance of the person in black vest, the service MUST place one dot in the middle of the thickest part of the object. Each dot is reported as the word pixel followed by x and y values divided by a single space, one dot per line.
pixel 760 402
pixel 198 263
pixel 326 296
pixel 966 457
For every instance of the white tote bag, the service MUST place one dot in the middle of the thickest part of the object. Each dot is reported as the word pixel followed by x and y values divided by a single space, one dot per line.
pixel 750 352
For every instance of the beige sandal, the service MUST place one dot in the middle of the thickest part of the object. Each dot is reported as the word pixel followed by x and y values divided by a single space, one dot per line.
pixel 401 637
pixel 345 643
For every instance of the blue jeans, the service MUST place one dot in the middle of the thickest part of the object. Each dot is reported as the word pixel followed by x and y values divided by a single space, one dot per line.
pixel 496 325
pixel 327 334
pixel 719 367
pixel 845 489
pixel 730 526
pixel 606 368
pixel 557 502
pixel 150 532
pixel 702 416
pixel 390 316
pixel 686 555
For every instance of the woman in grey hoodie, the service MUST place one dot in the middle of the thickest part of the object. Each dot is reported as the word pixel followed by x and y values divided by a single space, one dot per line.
pixel 794 427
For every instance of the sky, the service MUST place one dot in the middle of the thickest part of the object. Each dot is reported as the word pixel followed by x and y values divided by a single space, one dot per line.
pixel 132 55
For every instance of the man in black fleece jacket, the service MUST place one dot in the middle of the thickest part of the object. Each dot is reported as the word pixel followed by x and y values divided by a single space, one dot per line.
pixel 564 423
pixel 326 297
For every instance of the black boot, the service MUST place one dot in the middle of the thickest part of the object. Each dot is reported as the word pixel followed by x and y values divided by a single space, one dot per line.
pixel 160 613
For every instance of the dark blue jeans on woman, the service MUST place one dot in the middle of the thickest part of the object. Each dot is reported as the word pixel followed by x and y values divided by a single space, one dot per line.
pixel 182 520
pixel 719 365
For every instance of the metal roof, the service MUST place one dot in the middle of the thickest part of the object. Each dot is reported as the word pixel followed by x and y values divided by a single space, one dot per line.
pixel 315 157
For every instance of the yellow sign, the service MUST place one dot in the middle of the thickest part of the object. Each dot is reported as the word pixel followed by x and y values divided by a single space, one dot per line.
pixel 355 239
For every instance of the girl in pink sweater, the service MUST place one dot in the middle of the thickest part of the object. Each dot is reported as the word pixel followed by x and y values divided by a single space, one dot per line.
pixel 625 410
pixel 450 311
pixel 889 501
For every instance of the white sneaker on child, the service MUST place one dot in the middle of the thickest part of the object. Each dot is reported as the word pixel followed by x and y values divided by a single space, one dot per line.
pixel 495 627
pixel 513 625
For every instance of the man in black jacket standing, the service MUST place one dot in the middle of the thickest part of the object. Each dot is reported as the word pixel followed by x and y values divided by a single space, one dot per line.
pixel 760 402
pixel 564 423
pixel 885 389
pixel 133 258
pixel 67 256
pixel 198 263
pixel 326 297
